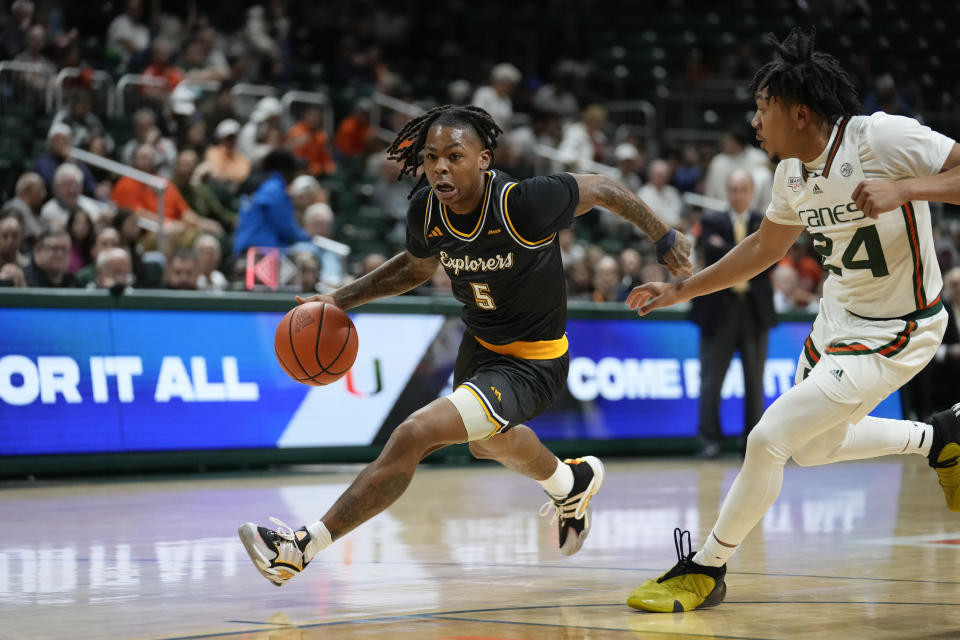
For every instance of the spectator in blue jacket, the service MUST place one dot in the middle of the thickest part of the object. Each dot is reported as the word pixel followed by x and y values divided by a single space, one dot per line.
pixel 267 219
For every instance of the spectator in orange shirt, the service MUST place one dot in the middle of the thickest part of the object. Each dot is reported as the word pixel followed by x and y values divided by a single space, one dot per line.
pixel 227 165
pixel 308 140
pixel 808 269
pixel 355 133
pixel 160 67
pixel 179 222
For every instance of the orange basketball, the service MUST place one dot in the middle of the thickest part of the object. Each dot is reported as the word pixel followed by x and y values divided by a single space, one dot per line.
pixel 316 343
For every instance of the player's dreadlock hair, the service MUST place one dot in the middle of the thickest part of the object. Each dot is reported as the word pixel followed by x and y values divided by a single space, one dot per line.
pixel 407 147
pixel 798 74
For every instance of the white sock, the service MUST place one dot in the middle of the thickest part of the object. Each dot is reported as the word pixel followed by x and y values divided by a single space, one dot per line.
pixel 560 484
pixel 713 554
pixel 319 540
pixel 921 437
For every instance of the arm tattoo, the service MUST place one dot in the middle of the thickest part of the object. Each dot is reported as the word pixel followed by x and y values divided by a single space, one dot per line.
pixel 616 197
pixel 397 275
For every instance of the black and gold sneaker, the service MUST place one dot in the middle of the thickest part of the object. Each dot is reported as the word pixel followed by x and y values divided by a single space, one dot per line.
pixel 573 511
pixel 687 586
pixel 277 555
pixel 945 453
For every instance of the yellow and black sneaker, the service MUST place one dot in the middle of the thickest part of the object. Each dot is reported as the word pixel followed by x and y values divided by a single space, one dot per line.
pixel 573 511
pixel 945 453
pixel 687 586
pixel 277 555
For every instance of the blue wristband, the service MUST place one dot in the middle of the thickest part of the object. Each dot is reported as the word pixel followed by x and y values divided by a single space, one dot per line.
pixel 664 245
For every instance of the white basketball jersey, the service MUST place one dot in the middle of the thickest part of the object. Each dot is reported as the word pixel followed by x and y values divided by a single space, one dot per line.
pixel 877 268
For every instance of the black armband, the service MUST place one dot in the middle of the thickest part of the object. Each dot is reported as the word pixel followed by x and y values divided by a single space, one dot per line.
pixel 664 245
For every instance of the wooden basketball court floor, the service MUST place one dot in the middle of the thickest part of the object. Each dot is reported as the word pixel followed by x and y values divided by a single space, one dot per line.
pixel 854 550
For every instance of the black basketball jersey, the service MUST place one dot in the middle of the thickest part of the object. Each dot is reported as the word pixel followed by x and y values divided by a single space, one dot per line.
pixel 504 258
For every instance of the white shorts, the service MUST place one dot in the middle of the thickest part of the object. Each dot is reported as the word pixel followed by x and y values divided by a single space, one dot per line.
pixel 480 419
pixel 856 360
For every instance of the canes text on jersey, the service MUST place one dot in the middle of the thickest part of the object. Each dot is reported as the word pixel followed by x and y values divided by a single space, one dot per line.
pixel 826 216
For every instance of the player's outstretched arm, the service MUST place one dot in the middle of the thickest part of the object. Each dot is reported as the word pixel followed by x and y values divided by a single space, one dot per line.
pixel 873 197
pixel 397 275
pixel 758 251
pixel 673 248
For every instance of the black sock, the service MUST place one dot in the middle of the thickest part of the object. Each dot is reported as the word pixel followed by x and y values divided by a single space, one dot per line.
pixel 937 444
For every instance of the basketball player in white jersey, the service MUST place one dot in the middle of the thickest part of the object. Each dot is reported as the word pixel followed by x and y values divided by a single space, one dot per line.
pixel 860 186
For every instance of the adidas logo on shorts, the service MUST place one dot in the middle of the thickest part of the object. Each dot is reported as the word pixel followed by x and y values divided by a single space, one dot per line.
pixel 817 190
pixel 837 374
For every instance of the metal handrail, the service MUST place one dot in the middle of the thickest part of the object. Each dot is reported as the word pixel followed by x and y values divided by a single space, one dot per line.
pixel 137 80
pixel 75 72
pixel 383 101
pixel 245 89
pixel 33 67
pixel 704 202
pixel 553 155
pixel 154 182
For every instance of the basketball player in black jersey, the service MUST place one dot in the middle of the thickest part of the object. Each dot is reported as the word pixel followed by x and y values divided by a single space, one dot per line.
pixel 496 239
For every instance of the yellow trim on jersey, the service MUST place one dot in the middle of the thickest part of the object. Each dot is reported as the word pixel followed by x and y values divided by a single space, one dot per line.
pixel 537 350
pixel 426 215
pixel 513 230
pixel 483 406
pixel 483 213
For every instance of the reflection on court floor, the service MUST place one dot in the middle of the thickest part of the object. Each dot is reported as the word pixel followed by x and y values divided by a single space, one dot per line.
pixel 867 550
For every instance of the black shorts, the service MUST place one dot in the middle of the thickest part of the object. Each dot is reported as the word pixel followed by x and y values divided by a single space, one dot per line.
pixel 512 389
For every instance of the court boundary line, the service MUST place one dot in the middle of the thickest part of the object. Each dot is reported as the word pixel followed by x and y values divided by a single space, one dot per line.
pixel 452 615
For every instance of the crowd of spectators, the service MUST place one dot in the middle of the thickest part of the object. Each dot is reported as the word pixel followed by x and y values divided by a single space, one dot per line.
pixel 271 176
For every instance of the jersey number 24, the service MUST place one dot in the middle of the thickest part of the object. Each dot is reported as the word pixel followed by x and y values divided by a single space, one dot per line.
pixel 866 237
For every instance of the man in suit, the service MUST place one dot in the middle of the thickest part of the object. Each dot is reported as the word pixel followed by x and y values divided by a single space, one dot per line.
pixel 738 318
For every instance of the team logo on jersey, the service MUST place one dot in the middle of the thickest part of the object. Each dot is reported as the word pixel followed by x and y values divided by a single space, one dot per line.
pixel 846 169
pixel 476 265
pixel 817 190
pixel 493 232
pixel 794 183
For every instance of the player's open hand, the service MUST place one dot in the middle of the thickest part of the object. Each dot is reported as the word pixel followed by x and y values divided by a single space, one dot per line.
pixel 677 259
pixel 318 298
pixel 873 197
pixel 653 295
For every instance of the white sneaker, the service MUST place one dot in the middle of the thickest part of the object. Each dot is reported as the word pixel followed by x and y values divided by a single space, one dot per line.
pixel 573 512
pixel 277 555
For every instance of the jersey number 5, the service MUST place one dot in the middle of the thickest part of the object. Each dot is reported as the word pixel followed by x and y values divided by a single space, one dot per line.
pixel 481 293
pixel 866 237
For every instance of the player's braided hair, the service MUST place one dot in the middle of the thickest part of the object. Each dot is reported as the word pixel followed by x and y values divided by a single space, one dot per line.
pixel 798 74
pixel 407 147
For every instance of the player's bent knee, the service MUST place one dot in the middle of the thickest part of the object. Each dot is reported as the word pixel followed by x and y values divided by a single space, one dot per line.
pixel 483 449
pixel 762 441
pixel 806 458
pixel 477 450
pixel 414 434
